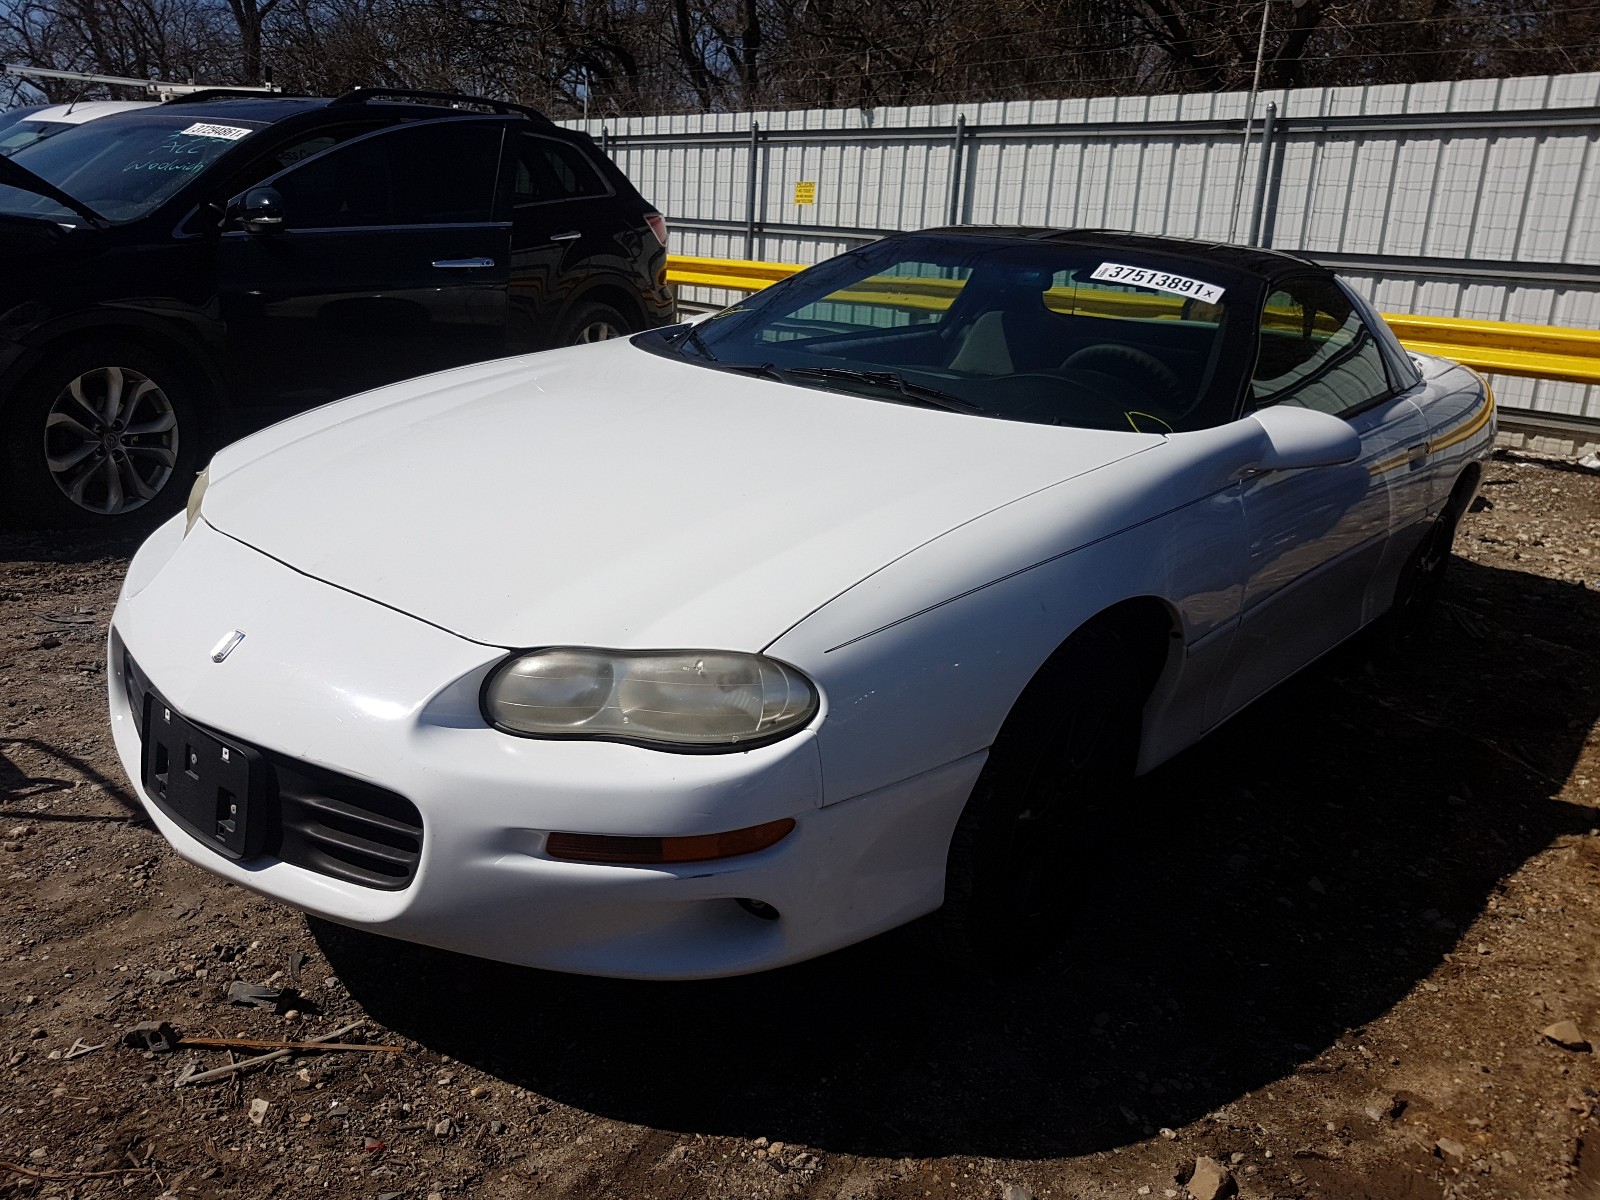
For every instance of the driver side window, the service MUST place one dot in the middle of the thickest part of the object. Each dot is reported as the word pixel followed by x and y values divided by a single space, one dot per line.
pixel 1316 351
pixel 429 173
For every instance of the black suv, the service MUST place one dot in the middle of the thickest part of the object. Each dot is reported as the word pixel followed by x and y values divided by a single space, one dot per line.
pixel 173 277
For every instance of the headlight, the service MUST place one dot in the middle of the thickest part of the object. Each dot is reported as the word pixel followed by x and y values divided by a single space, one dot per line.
pixel 196 494
pixel 680 698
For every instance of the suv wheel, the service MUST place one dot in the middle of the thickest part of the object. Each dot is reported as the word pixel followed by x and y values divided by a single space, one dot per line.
pixel 592 322
pixel 100 434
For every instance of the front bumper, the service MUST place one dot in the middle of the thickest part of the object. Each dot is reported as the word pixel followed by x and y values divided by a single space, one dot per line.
pixel 338 683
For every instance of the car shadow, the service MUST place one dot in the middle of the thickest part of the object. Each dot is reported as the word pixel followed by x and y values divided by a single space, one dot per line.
pixel 43 545
pixel 1289 879
pixel 20 784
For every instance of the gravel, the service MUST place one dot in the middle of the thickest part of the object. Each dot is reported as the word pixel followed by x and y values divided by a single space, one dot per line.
pixel 1189 998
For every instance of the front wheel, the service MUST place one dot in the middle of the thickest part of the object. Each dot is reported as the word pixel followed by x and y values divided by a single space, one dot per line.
pixel 1067 750
pixel 105 433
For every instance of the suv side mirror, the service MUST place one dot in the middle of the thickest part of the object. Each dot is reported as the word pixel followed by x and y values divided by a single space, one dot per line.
pixel 261 212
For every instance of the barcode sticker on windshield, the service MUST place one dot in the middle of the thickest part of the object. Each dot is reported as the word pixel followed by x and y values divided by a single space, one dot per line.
pixel 228 133
pixel 1178 285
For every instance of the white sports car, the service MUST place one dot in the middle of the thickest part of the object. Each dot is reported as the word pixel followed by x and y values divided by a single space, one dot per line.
pixel 733 643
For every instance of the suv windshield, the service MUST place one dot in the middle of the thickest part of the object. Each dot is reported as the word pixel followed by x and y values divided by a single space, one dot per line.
pixel 1026 331
pixel 20 134
pixel 123 167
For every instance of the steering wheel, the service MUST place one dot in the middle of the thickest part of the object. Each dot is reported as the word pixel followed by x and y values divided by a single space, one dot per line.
pixel 1121 362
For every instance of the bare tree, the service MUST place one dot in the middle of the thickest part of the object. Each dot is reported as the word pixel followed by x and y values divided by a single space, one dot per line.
pixel 647 56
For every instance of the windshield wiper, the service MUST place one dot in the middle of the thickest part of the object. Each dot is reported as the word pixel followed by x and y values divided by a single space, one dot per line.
pixel 16 175
pixel 691 337
pixel 913 393
pixel 765 370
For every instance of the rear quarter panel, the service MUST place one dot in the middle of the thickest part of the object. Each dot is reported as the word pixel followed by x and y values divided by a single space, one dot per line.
pixel 1458 407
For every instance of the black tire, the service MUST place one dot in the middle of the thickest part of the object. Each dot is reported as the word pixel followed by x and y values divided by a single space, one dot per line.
pixel 66 464
pixel 1068 749
pixel 1421 582
pixel 590 321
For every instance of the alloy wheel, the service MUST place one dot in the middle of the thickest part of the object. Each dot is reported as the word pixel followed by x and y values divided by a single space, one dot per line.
pixel 1420 586
pixel 597 331
pixel 111 440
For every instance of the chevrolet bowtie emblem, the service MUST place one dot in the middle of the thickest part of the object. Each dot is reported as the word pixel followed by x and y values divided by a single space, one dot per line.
pixel 226 645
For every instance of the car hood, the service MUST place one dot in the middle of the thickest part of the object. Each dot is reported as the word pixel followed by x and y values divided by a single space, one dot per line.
pixel 606 495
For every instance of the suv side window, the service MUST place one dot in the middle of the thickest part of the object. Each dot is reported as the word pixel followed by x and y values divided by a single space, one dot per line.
pixel 1316 351
pixel 550 170
pixel 430 173
pixel 280 159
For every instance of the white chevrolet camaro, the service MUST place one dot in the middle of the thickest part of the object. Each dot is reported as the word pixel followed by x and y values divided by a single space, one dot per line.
pixel 730 644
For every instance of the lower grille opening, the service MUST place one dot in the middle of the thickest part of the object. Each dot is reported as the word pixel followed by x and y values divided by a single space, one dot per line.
pixel 312 818
pixel 345 828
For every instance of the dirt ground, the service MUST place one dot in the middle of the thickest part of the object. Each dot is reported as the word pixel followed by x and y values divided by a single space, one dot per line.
pixel 1320 948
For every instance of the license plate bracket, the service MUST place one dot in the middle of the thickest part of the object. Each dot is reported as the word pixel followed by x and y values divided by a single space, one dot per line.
pixel 216 788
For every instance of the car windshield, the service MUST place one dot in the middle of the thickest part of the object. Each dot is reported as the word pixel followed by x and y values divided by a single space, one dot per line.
pixel 1053 334
pixel 121 166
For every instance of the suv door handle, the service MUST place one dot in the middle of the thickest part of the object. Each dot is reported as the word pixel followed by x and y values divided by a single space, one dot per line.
pixel 570 235
pixel 462 264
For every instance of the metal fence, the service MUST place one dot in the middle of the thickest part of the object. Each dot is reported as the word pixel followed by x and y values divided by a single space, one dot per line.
pixel 1476 199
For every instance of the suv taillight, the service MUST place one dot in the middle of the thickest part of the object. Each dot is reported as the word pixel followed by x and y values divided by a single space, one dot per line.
pixel 658 226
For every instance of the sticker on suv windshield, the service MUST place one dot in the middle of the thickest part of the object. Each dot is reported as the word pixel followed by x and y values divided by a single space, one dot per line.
pixel 1178 285
pixel 228 133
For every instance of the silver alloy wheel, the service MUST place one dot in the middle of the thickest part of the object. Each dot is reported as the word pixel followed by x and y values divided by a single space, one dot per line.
pixel 111 440
pixel 597 331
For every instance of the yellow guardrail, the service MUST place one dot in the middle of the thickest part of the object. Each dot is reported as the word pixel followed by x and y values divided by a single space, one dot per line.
pixel 1502 347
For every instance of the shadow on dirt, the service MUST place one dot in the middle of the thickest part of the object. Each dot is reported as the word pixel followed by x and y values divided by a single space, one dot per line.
pixel 1290 878
pixel 72 545
pixel 18 784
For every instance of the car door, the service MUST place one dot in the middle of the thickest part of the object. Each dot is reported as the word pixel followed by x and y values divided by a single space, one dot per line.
pixel 392 261
pixel 564 229
pixel 1317 536
pixel 1417 490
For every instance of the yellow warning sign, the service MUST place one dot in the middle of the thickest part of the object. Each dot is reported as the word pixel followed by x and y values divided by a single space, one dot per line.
pixel 806 192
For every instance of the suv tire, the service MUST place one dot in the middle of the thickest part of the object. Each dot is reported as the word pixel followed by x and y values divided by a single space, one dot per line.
pixel 591 321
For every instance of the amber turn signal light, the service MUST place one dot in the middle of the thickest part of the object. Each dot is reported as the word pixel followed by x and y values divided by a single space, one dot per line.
pixel 604 848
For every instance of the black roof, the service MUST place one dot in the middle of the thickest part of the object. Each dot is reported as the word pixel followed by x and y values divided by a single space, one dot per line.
pixel 245 108
pixel 1249 260
pixel 219 104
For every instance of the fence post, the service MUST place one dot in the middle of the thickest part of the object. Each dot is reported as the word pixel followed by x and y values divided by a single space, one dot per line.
pixel 955 171
pixel 750 193
pixel 1263 170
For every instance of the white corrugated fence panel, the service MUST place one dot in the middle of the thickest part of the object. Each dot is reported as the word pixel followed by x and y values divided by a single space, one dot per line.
pixel 1520 196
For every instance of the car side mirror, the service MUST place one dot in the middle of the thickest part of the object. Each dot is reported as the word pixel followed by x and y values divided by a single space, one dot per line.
pixel 1297 437
pixel 261 212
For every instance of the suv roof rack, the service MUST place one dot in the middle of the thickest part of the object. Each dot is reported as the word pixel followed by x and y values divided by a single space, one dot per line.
pixel 204 94
pixel 361 95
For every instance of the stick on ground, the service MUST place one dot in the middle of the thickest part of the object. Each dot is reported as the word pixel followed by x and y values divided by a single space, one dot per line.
pixel 259 1060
